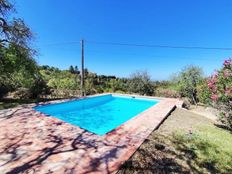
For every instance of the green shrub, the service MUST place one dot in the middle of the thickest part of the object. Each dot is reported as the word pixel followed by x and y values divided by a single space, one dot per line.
pixel 140 82
pixel 22 93
pixel 3 90
pixel 39 87
pixel 188 79
pixel 203 93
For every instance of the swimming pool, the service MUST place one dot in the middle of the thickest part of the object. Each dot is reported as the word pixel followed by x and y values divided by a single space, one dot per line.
pixel 99 114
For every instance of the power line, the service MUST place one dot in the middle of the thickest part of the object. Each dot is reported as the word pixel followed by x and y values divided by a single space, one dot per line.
pixel 161 46
pixel 102 53
pixel 140 45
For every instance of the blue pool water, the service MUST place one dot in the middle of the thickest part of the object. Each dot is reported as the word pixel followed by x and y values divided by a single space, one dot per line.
pixel 99 114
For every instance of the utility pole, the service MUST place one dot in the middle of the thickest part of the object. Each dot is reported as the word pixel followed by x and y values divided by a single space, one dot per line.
pixel 82 69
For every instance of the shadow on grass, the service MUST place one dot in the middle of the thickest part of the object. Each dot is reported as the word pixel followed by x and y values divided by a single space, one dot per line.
pixel 224 127
pixel 7 103
pixel 191 148
pixel 153 157
pixel 176 154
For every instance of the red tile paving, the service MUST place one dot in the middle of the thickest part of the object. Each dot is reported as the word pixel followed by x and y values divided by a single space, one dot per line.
pixel 31 142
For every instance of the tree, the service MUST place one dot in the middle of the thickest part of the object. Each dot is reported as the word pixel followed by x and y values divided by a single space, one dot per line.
pixel 17 69
pixel 71 69
pixel 76 70
pixel 203 92
pixel 38 87
pixel 17 66
pixel 86 72
pixel 187 80
pixel 140 82
pixel 14 30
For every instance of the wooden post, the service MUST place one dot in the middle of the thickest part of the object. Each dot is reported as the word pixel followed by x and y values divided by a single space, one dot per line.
pixel 82 69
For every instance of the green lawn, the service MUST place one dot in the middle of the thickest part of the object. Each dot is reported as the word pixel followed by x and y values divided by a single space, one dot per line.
pixel 210 148
pixel 185 143
pixel 7 105
pixel 10 103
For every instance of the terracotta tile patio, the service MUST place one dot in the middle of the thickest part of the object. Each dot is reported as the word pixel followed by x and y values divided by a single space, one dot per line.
pixel 31 142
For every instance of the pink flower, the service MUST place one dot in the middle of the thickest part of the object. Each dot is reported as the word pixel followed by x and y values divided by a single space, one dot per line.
pixel 214 97
pixel 212 85
pixel 227 115
pixel 227 62
pixel 228 91
pixel 226 73
pixel 230 102
pixel 215 74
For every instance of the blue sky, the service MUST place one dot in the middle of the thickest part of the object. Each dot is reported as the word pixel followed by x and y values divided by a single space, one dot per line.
pixel 160 22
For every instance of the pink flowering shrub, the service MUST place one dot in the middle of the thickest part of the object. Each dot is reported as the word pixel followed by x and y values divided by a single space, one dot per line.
pixel 220 86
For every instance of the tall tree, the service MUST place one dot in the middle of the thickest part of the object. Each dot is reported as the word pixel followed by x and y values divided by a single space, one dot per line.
pixel 13 30
pixel 76 70
pixel 188 80
pixel 140 82
pixel 17 66
pixel 71 69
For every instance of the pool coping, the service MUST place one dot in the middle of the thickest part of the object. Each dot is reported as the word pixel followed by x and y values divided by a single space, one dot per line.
pixel 125 139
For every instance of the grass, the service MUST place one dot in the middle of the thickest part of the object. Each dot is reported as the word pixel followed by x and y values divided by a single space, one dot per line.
pixel 7 105
pixel 209 146
pixel 185 143
pixel 10 103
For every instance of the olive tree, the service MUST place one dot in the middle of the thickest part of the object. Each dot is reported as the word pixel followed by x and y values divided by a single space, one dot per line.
pixel 188 80
pixel 12 30
pixel 140 82
pixel 18 69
